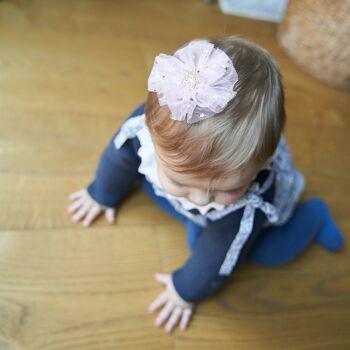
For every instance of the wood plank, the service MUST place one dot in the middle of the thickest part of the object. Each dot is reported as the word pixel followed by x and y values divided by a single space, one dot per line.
pixel 71 71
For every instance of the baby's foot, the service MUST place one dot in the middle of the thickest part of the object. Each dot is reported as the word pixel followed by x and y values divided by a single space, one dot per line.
pixel 329 235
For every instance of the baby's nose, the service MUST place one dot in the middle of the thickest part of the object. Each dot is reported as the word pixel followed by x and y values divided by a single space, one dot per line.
pixel 199 197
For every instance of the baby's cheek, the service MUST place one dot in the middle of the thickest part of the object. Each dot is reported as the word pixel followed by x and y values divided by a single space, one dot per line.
pixel 226 198
pixel 171 189
pixel 174 191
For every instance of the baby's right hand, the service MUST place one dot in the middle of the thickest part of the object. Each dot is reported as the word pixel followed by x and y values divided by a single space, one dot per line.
pixel 86 209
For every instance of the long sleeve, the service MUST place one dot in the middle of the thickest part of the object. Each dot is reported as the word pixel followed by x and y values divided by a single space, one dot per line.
pixel 117 170
pixel 200 277
pixel 116 174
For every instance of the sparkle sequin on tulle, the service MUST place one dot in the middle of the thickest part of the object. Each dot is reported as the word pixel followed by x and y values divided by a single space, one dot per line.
pixel 190 78
pixel 195 83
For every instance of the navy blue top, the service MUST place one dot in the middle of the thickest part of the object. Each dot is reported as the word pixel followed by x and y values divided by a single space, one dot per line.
pixel 199 277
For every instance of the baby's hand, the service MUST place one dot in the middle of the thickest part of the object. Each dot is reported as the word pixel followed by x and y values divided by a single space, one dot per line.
pixel 174 307
pixel 86 209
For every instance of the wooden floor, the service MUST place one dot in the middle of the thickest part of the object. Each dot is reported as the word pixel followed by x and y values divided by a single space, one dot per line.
pixel 70 72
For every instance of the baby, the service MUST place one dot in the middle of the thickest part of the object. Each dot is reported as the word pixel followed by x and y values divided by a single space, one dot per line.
pixel 207 147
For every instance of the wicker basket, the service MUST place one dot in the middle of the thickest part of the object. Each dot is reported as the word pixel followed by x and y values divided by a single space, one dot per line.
pixel 316 34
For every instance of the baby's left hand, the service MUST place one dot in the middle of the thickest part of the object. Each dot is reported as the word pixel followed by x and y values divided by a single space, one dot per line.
pixel 174 306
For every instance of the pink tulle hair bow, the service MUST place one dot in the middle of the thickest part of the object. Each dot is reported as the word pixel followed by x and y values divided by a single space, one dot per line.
pixel 196 83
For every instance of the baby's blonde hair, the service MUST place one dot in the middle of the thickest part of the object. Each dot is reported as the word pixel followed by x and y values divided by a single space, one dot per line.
pixel 244 135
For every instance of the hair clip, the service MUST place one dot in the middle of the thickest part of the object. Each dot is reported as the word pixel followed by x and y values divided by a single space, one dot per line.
pixel 196 83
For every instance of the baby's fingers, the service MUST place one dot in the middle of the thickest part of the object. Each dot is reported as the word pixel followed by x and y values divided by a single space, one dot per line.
pixel 164 314
pixel 185 319
pixel 82 211
pixel 93 212
pixel 174 318
pixel 77 194
pixel 75 206
pixel 110 215
pixel 160 301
